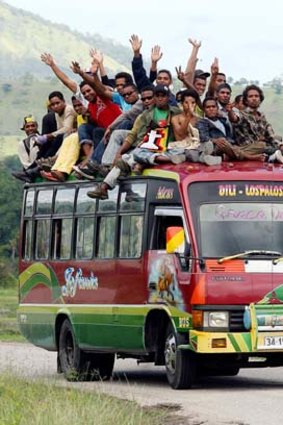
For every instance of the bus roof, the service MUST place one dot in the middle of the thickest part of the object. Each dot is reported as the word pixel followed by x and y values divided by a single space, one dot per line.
pixel 247 170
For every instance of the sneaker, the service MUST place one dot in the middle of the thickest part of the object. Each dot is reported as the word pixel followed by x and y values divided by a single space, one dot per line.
pixel 84 172
pixel 22 175
pixel 98 193
pixel 279 156
pixel 133 197
pixel 211 160
pixel 208 148
pixel 178 159
pixel 124 167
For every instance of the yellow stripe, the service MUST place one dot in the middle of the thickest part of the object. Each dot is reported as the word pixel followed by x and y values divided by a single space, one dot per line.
pixel 176 241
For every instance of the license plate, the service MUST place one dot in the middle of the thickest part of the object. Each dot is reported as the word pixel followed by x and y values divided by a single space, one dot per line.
pixel 273 342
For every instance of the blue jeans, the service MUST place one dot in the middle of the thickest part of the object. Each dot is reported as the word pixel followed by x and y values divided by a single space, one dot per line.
pixel 91 132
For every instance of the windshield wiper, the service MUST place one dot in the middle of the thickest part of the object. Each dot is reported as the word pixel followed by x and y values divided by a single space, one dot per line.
pixel 248 253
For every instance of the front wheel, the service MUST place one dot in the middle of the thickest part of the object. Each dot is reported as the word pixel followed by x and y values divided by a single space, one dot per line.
pixel 180 364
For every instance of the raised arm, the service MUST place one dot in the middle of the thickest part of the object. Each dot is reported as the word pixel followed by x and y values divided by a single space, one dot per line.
pixel 47 58
pixel 214 69
pixel 139 73
pixel 192 61
pixel 156 55
pixel 93 81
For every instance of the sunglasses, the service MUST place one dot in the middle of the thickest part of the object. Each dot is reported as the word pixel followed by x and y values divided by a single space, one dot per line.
pixel 128 94
pixel 146 98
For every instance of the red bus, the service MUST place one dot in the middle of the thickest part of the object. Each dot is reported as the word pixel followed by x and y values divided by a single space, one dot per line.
pixel 187 274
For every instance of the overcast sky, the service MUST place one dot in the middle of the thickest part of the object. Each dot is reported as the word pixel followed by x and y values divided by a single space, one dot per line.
pixel 246 35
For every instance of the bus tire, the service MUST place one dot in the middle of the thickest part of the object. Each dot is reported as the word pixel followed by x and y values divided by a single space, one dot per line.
pixel 71 357
pixel 78 365
pixel 180 365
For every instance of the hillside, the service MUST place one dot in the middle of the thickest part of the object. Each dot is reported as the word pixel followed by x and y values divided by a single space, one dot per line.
pixel 24 36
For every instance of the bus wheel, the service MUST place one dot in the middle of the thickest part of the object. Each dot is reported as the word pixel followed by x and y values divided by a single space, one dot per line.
pixel 180 364
pixel 72 359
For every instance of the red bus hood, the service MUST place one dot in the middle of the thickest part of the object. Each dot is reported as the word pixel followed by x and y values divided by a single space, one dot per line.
pixel 244 282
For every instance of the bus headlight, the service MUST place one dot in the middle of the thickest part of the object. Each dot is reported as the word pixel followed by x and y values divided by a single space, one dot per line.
pixel 216 319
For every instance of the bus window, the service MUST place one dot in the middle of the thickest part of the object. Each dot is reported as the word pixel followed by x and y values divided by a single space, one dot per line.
pixel 62 245
pixel 110 204
pixel 64 200
pixel 131 236
pixel 84 240
pixel 27 240
pixel 42 239
pixel 161 223
pixel 106 237
pixel 29 202
pixel 133 197
pixel 44 202
pixel 85 205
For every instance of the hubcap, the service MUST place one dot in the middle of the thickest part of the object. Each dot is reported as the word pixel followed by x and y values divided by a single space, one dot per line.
pixel 170 353
pixel 70 349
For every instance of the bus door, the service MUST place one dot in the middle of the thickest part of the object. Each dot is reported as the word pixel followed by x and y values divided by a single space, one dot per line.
pixel 169 270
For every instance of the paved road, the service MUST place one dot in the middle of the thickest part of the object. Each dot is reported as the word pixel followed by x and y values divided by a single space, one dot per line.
pixel 254 397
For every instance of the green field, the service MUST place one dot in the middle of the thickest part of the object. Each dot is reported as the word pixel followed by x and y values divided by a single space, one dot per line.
pixel 8 324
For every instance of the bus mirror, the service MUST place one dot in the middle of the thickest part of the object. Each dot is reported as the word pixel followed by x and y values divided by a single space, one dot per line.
pixel 175 240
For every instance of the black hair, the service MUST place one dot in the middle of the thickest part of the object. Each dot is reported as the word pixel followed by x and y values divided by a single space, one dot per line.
pixel 147 88
pixel 238 98
pixel 126 75
pixel 252 87
pixel 223 86
pixel 189 92
pixel 56 94
pixel 209 98
pixel 83 83
pixel 131 85
pixel 167 72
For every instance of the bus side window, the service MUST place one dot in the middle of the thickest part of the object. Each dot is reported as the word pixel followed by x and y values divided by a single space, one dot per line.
pixel 62 238
pixel 106 237
pixel 27 240
pixel 42 239
pixel 131 230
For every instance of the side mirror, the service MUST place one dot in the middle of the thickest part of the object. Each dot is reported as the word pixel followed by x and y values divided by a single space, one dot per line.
pixel 175 240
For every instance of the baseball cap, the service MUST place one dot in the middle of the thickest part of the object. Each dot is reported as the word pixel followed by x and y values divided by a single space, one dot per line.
pixel 199 73
pixel 28 119
pixel 161 89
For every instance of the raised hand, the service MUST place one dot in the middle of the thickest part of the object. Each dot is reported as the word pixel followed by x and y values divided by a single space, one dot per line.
pixel 156 53
pixel 136 43
pixel 215 66
pixel 75 67
pixel 47 58
pixel 180 73
pixel 96 55
pixel 195 43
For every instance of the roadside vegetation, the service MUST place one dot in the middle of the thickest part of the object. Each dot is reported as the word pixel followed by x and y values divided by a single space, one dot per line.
pixel 8 323
pixel 24 402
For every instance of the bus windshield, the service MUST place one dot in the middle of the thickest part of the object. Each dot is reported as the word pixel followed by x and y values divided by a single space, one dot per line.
pixel 234 222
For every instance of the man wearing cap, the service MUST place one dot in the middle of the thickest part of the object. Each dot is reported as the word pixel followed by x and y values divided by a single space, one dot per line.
pixel 27 148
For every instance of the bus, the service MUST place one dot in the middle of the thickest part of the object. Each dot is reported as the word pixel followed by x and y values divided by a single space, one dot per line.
pixel 187 273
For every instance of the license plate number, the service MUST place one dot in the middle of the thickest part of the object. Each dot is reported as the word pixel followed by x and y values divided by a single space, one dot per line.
pixel 273 342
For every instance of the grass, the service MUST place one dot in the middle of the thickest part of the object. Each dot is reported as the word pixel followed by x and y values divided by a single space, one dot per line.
pixel 23 402
pixel 8 323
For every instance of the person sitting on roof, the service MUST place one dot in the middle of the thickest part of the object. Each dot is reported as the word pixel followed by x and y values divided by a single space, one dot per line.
pixel 27 148
pixel 187 135
pixel 252 132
